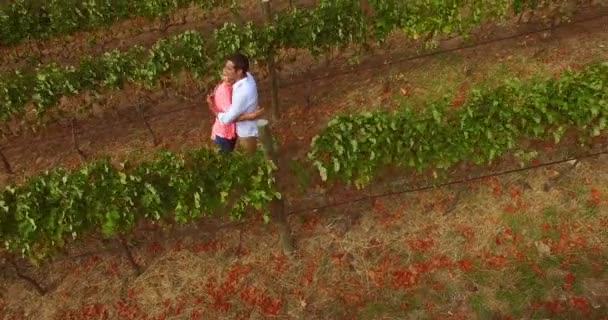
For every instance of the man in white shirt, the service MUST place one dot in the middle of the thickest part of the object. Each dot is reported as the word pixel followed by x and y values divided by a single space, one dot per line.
pixel 244 102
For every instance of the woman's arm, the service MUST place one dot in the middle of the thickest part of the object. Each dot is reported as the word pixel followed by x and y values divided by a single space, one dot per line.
pixel 211 104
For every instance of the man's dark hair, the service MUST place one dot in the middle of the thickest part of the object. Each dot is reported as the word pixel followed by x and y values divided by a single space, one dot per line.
pixel 240 62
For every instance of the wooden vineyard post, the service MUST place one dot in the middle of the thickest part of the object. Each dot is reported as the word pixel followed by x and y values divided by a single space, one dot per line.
pixel 142 115
pixel 7 165
pixel 552 182
pixel 277 206
pixel 125 246
pixel 272 71
pixel 81 153
pixel 39 288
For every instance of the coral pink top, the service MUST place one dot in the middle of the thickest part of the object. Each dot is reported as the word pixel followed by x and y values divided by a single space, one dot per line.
pixel 223 100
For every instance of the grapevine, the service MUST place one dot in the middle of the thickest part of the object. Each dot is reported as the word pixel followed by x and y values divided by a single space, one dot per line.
pixel 355 148
pixel 47 210
pixel 30 19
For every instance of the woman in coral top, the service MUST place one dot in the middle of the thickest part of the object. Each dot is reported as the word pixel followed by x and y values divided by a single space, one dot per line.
pixel 224 135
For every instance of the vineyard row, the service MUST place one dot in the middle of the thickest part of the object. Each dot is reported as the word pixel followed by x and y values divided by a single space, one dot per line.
pixel 486 125
pixel 41 214
pixel 30 19
pixel 335 23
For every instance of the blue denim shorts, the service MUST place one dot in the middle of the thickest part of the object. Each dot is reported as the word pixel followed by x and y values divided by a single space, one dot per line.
pixel 226 145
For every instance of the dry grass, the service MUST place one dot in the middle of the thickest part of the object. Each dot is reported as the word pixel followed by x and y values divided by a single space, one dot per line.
pixel 351 258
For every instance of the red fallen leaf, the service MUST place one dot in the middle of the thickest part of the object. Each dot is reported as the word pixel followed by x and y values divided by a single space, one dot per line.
pixel 179 246
pixel 460 97
pixel 517 238
pixel 539 272
pixel 377 276
pixel 515 194
pixel 212 246
pixel 272 307
pixel 249 295
pixel 580 303
pixel 567 286
pixel 280 263
pixel 439 287
pixel 546 227
pixel 338 258
pixel 309 274
pixel 385 97
pixel 497 190
pixel 536 306
pixel 499 241
pixel 155 248
pixel 311 223
pixel 179 309
pixel 132 293
pixel 468 233
pixel 465 265
pixel 510 208
pixel 221 306
pixel 378 206
pixel 404 278
pixel 569 278
pixel 442 262
pixel 421 244
pixel 112 269
pixel 555 307
pixel 375 243
pixel 596 197
pixel 196 315
pixel 497 261
pixel 200 248
pixel 420 268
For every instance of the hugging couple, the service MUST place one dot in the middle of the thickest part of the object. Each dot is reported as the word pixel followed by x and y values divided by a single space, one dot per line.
pixel 234 102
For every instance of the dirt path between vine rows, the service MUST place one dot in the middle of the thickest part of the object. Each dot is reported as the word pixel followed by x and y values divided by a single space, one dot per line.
pixel 69 49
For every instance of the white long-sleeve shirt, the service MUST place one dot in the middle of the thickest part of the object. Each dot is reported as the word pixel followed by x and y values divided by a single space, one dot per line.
pixel 244 100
